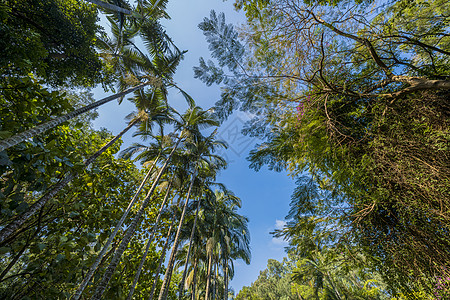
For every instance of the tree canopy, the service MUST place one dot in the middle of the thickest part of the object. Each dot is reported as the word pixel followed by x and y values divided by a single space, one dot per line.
pixel 357 95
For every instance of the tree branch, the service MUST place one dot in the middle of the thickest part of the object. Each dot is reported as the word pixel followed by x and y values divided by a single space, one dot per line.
pixel 363 41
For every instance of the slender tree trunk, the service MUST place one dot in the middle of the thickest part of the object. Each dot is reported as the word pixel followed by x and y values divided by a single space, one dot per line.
pixel 130 231
pixel 208 277
pixel 160 262
pixel 149 242
pixel 13 261
pixel 22 250
pixel 19 220
pixel 119 224
pixel 169 269
pixel 21 137
pixel 216 276
pixel 194 279
pixel 111 6
pixel 225 278
pixel 333 286
pixel 191 239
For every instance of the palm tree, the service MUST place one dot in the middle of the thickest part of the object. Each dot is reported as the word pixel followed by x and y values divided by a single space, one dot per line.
pixel 191 240
pixel 8 230
pixel 169 269
pixel 227 238
pixel 206 192
pixel 131 229
pixel 142 70
pixel 199 148
pixel 150 239
pixel 163 251
pixel 235 239
pixel 160 115
pixel 192 115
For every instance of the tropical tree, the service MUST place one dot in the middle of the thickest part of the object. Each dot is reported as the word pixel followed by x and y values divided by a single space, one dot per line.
pixel 50 251
pixel 137 218
pixel 144 101
pixel 221 235
pixel 138 72
pixel 329 87
pixel 54 40
pixel 159 115
pixel 198 153
pixel 150 239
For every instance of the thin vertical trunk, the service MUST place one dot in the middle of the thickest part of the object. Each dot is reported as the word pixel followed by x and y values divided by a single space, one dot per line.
pixel 14 260
pixel 169 269
pixel 160 262
pixel 333 286
pixel 19 220
pixel 194 279
pixel 22 250
pixel 216 276
pixel 149 242
pixel 191 239
pixel 130 231
pixel 38 129
pixel 111 237
pixel 208 277
pixel 225 278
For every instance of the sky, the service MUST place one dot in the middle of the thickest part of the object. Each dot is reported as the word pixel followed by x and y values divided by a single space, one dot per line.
pixel 265 194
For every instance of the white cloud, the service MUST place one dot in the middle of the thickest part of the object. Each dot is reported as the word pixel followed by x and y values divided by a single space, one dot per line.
pixel 279 224
pixel 279 242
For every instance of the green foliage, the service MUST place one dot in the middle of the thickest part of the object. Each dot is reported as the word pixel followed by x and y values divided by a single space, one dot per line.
pixel 53 250
pixel 51 43
pixel 54 39
pixel 362 105
pixel 272 283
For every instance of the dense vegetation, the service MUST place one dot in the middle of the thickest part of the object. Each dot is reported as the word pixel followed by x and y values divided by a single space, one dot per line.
pixel 78 218
pixel 356 95
pixel 350 97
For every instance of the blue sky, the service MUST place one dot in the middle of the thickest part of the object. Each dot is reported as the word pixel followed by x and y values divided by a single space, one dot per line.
pixel 265 194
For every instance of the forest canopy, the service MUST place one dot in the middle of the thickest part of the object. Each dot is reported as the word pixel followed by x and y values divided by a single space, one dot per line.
pixel 356 94
pixel 351 98
pixel 81 215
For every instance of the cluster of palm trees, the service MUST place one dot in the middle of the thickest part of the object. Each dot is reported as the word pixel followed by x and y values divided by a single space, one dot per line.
pixel 183 167
pixel 205 231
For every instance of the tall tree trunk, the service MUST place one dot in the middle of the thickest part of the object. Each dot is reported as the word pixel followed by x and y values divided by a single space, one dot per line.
pixel 208 277
pixel 111 6
pixel 111 237
pixel 225 278
pixel 19 220
pixel 14 260
pixel 170 265
pixel 160 262
pixel 130 231
pixel 191 240
pixel 328 276
pixel 194 279
pixel 21 137
pixel 22 250
pixel 216 276
pixel 149 242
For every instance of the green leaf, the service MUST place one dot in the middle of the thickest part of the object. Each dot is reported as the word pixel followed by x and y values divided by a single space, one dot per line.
pixel 4 159
pixel 4 250
pixel 60 257
pixel 41 246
